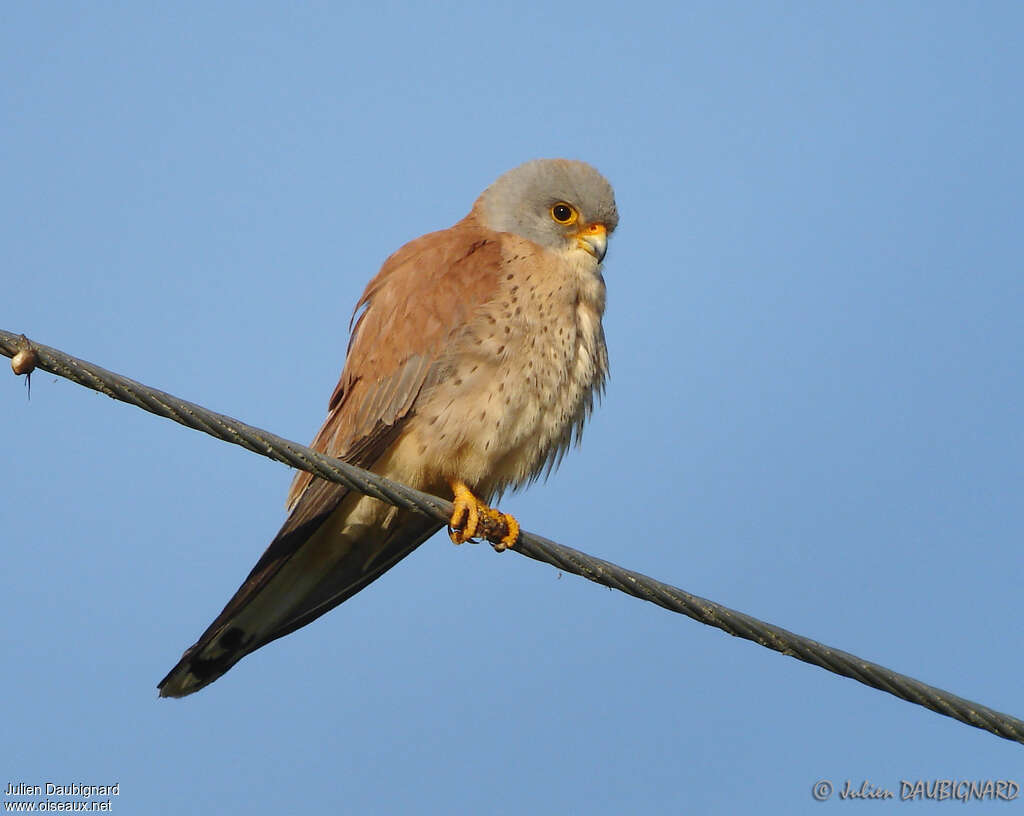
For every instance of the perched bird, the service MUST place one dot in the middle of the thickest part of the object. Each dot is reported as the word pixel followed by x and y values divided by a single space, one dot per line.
pixel 473 364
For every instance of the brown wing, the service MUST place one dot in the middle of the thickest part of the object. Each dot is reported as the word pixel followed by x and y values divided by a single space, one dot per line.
pixel 422 295
pixel 413 311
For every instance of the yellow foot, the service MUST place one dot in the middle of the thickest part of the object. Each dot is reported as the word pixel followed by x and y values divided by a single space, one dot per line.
pixel 472 518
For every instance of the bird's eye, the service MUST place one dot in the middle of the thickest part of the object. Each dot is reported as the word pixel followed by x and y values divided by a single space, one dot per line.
pixel 563 213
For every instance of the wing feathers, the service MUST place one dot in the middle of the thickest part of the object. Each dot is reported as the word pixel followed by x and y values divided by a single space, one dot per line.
pixel 414 308
pixel 423 296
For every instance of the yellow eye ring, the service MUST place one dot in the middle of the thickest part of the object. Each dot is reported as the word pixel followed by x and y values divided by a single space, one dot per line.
pixel 564 214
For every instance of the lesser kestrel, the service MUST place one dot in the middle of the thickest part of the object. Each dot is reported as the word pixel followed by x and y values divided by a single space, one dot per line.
pixel 471 369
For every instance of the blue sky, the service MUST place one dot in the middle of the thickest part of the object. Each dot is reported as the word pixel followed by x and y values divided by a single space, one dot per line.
pixel 814 413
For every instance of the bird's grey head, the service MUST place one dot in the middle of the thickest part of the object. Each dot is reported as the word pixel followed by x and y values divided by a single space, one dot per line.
pixel 557 203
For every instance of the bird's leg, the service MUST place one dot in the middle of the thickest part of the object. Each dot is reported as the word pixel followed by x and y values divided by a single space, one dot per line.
pixel 471 517
pixel 465 517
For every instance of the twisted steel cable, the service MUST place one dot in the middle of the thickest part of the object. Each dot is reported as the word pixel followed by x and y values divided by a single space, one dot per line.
pixel 27 355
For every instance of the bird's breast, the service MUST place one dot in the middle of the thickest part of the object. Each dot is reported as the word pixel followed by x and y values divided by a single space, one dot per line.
pixel 520 380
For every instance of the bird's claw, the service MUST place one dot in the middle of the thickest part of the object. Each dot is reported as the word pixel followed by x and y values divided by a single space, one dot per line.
pixel 471 518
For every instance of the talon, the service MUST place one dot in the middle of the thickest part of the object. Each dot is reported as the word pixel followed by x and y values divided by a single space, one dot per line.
pixel 465 515
pixel 471 517
pixel 511 537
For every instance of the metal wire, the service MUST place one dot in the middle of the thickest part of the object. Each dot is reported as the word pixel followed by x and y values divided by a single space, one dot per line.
pixel 541 549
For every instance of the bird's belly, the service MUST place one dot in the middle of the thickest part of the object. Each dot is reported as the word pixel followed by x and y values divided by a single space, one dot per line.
pixel 500 419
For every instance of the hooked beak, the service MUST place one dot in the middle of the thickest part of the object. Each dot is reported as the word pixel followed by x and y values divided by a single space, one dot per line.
pixel 594 239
